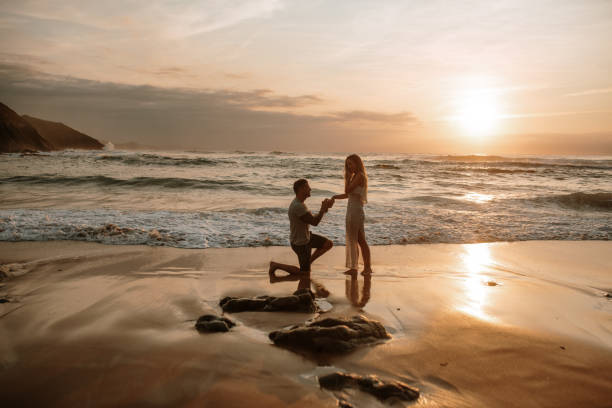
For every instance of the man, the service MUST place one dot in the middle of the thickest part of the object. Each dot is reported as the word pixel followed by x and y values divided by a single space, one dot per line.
pixel 302 240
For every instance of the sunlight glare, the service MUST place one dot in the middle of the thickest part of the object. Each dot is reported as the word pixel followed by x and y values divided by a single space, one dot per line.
pixel 477 197
pixel 478 114
pixel 477 258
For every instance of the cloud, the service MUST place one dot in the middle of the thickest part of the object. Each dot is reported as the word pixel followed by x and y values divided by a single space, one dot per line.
pixel 166 71
pixel 235 75
pixel 591 92
pixel 399 118
pixel 174 18
pixel 183 118
pixel 25 80
pixel 553 114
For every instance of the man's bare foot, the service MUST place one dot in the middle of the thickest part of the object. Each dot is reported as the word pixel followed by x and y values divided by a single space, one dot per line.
pixel 351 272
pixel 273 267
pixel 366 271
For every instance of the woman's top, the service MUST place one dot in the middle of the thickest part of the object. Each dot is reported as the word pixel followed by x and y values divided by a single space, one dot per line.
pixel 356 197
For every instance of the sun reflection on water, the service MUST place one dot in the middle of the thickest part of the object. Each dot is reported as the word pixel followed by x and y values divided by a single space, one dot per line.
pixel 477 259
pixel 477 197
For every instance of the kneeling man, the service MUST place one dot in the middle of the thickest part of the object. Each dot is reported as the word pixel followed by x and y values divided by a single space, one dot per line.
pixel 302 240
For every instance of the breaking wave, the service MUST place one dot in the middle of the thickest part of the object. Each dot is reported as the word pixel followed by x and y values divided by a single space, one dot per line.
pixel 144 159
pixel 581 201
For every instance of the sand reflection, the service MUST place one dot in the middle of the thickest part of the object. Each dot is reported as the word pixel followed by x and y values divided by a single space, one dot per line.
pixel 476 259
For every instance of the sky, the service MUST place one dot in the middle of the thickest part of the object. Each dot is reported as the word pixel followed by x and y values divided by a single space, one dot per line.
pixel 454 77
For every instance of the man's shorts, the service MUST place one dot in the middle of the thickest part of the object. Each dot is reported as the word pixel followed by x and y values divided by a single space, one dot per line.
pixel 303 251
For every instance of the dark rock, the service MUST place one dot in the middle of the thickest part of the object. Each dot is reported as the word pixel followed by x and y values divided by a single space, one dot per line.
pixel 4 300
pixel 301 301
pixel 18 135
pixel 371 384
pixel 212 323
pixel 331 335
pixel 28 135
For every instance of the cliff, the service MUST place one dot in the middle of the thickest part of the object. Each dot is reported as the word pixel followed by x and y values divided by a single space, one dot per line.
pixel 18 135
pixel 61 136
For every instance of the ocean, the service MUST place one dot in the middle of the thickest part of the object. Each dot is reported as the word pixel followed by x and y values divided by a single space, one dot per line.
pixel 240 199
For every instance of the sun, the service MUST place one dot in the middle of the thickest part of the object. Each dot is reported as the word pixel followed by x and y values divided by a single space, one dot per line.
pixel 478 114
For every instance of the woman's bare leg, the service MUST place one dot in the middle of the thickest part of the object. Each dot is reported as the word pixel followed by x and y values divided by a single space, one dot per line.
pixel 365 252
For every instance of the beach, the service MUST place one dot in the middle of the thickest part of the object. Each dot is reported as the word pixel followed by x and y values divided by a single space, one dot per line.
pixel 520 324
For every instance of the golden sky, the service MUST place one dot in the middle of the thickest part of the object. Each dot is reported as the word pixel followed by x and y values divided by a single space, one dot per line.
pixel 415 76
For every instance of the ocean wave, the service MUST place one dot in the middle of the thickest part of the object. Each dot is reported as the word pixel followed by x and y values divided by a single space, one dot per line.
pixel 523 162
pixel 580 201
pixel 259 211
pixel 490 170
pixel 264 226
pixel 142 182
pixel 447 202
pixel 574 201
pixel 470 158
pixel 386 166
pixel 147 159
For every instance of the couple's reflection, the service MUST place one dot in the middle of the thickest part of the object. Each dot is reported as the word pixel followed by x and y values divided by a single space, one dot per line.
pixel 304 282
pixel 351 286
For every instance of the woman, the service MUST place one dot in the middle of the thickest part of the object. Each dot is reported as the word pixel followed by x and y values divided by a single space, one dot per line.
pixel 356 190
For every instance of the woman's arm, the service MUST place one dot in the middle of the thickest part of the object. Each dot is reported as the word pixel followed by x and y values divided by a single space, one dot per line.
pixel 355 182
pixel 340 196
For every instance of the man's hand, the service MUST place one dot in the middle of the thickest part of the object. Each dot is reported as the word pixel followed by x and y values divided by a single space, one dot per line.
pixel 325 205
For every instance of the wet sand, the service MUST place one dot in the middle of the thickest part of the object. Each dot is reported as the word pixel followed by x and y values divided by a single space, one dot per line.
pixel 524 324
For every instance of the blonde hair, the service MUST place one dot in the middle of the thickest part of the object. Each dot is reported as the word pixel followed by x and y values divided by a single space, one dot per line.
pixel 360 169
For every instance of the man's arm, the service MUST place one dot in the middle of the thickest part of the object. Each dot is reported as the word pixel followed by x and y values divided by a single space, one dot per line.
pixel 314 220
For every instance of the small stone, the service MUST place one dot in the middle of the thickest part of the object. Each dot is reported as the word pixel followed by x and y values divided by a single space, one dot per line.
pixel 212 324
pixel 562 347
pixel 444 364
pixel 342 403
pixel 371 384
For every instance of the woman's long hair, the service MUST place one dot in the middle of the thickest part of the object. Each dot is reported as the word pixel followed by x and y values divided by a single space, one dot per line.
pixel 360 169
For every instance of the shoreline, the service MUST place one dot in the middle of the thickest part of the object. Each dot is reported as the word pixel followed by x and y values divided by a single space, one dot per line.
pixel 493 324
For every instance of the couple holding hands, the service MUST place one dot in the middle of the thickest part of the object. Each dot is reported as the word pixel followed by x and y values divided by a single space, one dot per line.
pixel 300 220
